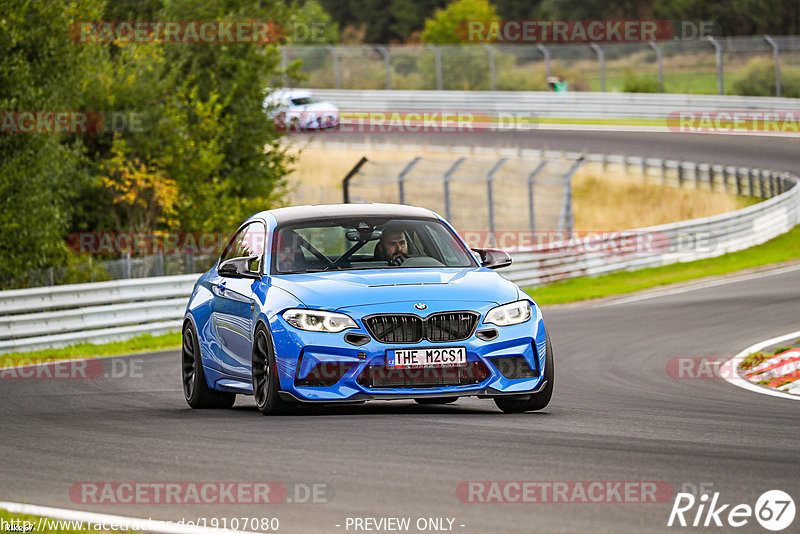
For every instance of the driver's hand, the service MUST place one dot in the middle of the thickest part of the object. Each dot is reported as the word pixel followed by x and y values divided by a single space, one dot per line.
pixel 398 260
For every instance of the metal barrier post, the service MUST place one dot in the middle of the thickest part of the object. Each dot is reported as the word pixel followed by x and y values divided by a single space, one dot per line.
pixel 346 181
pixel 438 57
pixel 492 67
pixel 387 64
pixel 546 53
pixel 680 174
pixel 601 61
pixel 718 49
pixel 660 62
pixel 531 178
pixel 566 222
pixel 489 191
pixel 402 177
pixel 447 176
pixel 696 173
pixel 739 188
pixel 337 69
pixel 774 45
pixel 726 178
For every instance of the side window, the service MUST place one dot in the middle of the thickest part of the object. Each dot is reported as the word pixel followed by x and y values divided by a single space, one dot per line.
pixel 249 241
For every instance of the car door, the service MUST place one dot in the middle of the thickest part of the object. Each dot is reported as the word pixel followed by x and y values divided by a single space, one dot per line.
pixel 234 303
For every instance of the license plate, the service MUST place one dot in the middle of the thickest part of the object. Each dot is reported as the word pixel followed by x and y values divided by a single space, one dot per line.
pixel 430 357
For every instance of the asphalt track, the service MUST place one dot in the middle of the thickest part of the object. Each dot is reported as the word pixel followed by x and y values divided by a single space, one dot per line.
pixel 616 415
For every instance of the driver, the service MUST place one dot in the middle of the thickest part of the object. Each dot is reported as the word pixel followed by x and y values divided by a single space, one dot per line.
pixel 393 246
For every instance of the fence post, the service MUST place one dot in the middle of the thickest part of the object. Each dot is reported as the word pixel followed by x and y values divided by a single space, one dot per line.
pixel 680 174
pixel 447 176
pixel 566 222
pixel 438 57
pixel 337 69
pixel 492 67
pixel 601 61
pixel 750 182
pixel 660 63
pixel 284 63
pixel 346 180
pixel 546 53
pixel 387 64
pixel 761 188
pixel 718 50
pixel 401 178
pixel 531 178
pixel 771 184
pixel 776 55
pixel 738 181
pixel 663 172
pixel 696 173
pixel 725 178
pixel 126 265
pixel 490 199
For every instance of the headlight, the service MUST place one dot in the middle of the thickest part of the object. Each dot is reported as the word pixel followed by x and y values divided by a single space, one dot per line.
pixel 508 314
pixel 318 321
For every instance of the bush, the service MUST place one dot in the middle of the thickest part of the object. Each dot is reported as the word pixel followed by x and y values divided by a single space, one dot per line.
pixel 757 78
pixel 640 84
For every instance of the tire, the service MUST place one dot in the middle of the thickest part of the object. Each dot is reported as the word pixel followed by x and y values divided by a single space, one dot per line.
pixel 265 375
pixel 435 400
pixel 195 388
pixel 537 401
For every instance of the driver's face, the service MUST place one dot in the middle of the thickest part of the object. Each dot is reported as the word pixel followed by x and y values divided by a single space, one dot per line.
pixel 394 244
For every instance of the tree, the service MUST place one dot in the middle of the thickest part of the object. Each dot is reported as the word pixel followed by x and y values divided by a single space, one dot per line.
pixel 448 25
pixel 40 69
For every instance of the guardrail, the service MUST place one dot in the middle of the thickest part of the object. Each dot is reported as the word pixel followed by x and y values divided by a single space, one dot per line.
pixel 105 311
pixel 545 104
pixel 667 66
pixel 46 317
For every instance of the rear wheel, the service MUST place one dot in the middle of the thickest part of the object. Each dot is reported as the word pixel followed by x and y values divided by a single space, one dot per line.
pixel 537 401
pixel 265 375
pixel 435 400
pixel 195 388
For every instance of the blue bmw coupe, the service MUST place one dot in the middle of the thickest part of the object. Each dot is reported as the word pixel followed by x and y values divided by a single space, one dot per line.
pixel 355 302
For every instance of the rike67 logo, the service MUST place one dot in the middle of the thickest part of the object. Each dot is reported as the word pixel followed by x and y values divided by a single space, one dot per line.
pixel 774 510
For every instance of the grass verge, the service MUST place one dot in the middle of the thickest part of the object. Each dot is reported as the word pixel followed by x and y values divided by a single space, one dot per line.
pixel 143 343
pixel 785 247
pixel 30 523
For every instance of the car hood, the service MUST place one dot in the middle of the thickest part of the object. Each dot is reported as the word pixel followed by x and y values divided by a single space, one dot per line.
pixel 347 289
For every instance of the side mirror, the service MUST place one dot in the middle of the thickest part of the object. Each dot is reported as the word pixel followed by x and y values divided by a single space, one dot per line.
pixel 493 258
pixel 239 268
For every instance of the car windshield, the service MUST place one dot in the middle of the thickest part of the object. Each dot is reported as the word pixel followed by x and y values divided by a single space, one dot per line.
pixel 304 100
pixel 366 243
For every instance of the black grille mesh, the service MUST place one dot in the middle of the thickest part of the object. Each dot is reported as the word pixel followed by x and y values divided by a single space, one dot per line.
pixel 380 376
pixel 447 326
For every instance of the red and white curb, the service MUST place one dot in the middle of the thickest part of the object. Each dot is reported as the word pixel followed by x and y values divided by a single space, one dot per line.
pixel 784 364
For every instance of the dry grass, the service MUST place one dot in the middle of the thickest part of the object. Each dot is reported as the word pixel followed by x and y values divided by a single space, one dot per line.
pixel 601 202
pixel 616 202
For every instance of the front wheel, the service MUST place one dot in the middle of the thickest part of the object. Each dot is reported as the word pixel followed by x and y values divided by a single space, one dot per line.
pixel 265 375
pixel 537 401
pixel 195 388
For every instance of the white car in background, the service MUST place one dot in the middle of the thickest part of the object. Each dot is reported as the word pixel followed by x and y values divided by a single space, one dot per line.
pixel 298 109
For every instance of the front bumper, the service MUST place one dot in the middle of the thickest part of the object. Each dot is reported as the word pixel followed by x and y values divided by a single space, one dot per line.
pixel 301 355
